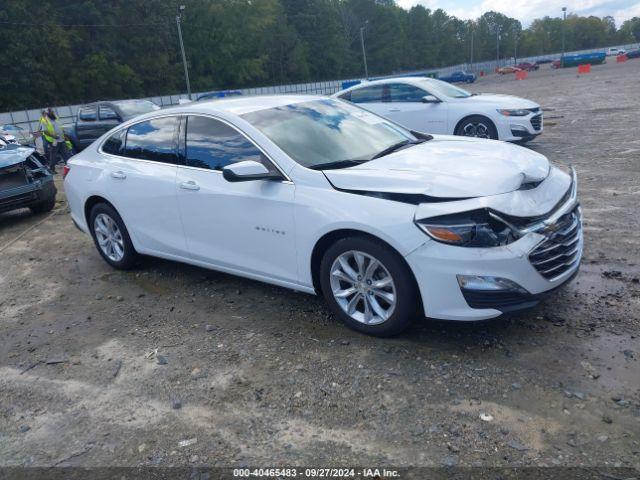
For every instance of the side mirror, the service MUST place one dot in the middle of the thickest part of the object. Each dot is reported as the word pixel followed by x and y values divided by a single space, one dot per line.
pixel 430 99
pixel 247 171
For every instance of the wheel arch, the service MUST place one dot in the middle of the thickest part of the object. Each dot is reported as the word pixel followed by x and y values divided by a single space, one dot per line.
pixel 470 115
pixel 91 202
pixel 329 238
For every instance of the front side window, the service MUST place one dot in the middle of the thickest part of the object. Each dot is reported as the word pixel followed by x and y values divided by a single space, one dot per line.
pixel 107 113
pixel 87 114
pixel 401 92
pixel 153 140
pixel 212 144
pixel 323 132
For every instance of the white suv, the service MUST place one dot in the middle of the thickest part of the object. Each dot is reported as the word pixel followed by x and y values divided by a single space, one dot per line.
pixel 432 106
pixel 317 195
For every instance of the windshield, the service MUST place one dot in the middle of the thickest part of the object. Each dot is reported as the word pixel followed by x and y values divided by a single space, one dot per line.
pixel 439 88
pixel 136 107
pixel 323 132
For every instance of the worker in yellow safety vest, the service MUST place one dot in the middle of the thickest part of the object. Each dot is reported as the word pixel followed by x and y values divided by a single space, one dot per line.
pixel 53 137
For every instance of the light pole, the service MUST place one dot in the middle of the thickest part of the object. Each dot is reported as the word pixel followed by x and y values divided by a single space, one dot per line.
pixel 515 46
pixel 184 57
pixel 471 50
pixel 364 53
pixel 497 47
pixel 564 20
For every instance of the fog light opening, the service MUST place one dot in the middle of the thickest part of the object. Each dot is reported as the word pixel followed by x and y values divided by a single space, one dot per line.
pixel 488 284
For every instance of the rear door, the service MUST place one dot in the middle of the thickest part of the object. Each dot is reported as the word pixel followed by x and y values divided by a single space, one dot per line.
pixel 241 226
pixel 141 177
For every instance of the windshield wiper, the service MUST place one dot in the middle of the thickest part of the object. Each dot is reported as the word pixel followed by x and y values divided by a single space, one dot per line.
pixel 397 146
pixel 337 164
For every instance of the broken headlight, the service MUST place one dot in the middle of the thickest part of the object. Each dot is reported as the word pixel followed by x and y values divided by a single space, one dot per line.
pixel 478 228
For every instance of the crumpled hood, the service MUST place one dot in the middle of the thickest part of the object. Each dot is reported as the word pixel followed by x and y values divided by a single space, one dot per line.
pixel 13 154
pixel 447 167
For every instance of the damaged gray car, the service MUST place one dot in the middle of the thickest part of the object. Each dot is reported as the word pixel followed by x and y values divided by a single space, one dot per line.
pixel 25 182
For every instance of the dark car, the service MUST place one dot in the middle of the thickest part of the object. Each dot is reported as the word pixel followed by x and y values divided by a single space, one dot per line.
pixel 544 60
pixel 220 94
pixel 459 77
pixel 24 180
pixel 633 54
pixel 95 119
pixel 529 67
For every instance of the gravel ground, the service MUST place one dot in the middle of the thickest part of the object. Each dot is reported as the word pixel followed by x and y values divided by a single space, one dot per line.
pixel 175 365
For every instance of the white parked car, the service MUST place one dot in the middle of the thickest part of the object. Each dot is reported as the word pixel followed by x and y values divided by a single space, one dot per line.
pixel 320 196
pixel 432 106
pixel 614 51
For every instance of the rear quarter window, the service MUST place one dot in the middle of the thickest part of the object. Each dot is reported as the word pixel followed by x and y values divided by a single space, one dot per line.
pixel 115 143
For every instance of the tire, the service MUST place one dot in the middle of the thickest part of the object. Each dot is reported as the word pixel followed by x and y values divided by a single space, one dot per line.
pixel 476 124
pixel 393 275
pixel 44 206
pixel 112 239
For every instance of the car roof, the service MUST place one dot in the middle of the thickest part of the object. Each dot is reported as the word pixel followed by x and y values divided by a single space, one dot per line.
pixel 242 105
pixel 417 80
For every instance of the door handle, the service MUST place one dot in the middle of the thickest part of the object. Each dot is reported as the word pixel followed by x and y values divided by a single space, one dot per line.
pixel 119 175
pixel 395 110
pixel 190 185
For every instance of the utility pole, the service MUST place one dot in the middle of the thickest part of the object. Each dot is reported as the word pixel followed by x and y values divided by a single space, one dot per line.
pixel 184 57
pixel 364 52
pixel 515 47
pixel 564 20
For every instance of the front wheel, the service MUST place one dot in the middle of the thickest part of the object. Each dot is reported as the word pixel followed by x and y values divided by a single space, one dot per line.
pixel 369 286
pixel 478 127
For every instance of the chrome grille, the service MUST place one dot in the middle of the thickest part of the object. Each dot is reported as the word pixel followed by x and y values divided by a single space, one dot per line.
pixel 560 251
pixel 536 121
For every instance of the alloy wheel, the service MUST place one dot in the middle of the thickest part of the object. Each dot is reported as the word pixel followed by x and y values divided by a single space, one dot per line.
pixel 109 237
pixel 476 129
pixel 363 288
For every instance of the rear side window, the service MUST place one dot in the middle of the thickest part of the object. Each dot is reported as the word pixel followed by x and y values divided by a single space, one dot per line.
pixel 401 92
pixel 212 144
pixel 88 114
pixel 371 94
pixel 153 140
pixel 114 143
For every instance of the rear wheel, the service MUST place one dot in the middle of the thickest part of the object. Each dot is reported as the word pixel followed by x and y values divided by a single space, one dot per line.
pixel 369 286
pixel 477 126
pixel 111 237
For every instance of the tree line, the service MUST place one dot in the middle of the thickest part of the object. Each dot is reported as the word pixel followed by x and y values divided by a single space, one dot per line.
pixel 58 52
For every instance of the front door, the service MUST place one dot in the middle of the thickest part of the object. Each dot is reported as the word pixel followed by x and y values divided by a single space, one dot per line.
pixel 404 104
pixel 241 226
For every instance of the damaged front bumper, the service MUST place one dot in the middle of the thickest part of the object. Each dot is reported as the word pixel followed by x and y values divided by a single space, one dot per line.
pixel 463 283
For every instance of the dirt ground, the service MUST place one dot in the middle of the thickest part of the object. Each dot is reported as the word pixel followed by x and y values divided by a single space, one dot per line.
pixel 175 365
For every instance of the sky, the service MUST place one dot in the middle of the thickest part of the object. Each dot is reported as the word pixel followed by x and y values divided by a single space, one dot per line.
pixel 528 10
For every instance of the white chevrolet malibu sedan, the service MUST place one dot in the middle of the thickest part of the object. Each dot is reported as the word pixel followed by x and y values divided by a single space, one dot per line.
pixel 433 106
pixel 320 196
